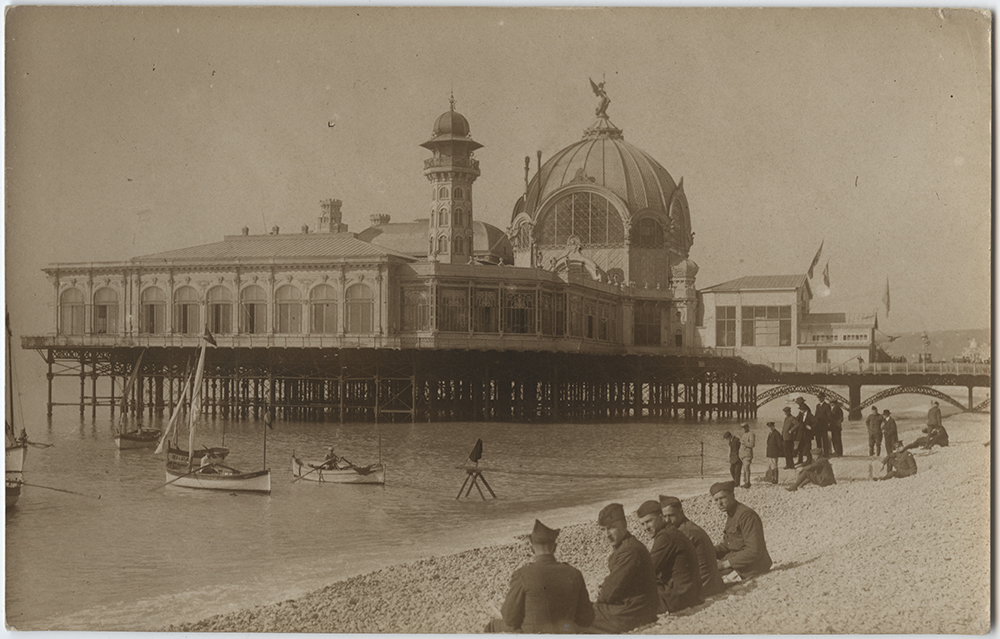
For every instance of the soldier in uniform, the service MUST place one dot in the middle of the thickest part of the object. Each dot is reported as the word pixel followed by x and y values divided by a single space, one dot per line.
pixel 898 464
pixel 545 596
pixel 743 548
pixel 627 599
pixel 874 426
pixel 675 561
pixel 711 580
pixel 820 472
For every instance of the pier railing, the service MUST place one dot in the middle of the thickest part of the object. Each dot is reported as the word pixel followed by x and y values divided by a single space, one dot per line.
pixel 890 368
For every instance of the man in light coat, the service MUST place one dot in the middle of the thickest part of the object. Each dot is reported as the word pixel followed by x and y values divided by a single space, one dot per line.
pixel 747 441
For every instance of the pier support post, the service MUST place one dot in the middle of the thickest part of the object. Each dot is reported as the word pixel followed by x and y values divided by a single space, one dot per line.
pixel 971 405
pixel 854 395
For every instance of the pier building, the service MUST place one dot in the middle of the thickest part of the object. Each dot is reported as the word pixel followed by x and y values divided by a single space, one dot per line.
pixel 585 308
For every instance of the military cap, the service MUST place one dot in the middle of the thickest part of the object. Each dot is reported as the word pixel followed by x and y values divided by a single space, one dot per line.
pixel 818 452
pixel 874 409
pixel 666 500
pixel 722 485
pixel 648 508
pixel 726 435
pixel 770 423
pixel 747 426
pixel 542 534
pixel 787 409
pixel 610 514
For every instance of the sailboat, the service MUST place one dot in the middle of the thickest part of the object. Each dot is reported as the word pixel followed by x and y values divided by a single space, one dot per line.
pixel 175 454
pixel 15 443
pixel 211 474
pixel 140 437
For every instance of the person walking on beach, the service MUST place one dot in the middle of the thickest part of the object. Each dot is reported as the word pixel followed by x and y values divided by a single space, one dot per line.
pixel 545 596
pixel 836 428
pixel 735 463
pixel 789 435
pixel 874 426
pixel 898 464
pixel 743 548
pixel 821 429
pixel 889 430
pixel 820 472
pixel 675 561
pixel 933 417
pixel 711 580
pixel 775 448
pixel 805 419
pixel 627 598
pixel 747 441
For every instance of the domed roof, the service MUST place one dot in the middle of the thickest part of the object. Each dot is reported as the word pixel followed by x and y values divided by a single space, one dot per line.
pixel 604 158
pixel 451 122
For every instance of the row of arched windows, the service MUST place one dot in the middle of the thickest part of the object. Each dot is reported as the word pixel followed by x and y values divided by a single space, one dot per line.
pixel 457 193
pixel 288 313
pixel 458 245
pixel 458 218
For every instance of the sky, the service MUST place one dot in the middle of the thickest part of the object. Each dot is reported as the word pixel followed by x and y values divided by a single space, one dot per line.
pixel 132 131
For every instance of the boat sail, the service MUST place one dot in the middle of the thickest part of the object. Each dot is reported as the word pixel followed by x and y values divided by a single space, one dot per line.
pixel 211 474
pixel 175 454
pixel 15 443
pixel 140 437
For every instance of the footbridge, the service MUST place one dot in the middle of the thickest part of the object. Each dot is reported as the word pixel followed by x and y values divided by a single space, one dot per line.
pixel 900 378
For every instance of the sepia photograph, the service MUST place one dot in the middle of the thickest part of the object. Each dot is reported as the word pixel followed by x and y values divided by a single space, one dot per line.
pixel 461 320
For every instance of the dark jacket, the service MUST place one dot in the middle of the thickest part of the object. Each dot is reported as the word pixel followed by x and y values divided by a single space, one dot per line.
pixel 627 599
pixel 675 565
pixel 836 417
pixel 789 429
pixel 743 542
pixel 775 445
pixel 711 580
pixel 806 423
pixel 889 430
pixel 734 449
pixel 820 472
pixel 874 424
pixel 822 417
pixel 547 596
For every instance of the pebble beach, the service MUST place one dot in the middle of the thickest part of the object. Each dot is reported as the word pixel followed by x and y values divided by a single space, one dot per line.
pixel 903 556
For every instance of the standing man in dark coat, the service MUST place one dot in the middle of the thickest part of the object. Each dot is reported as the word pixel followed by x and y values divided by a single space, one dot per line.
pixel 836 427
pixel 545 596
pixel 627 599
pixel 711 580
pixel 743 548
pixel 806 421
pixel 933 417
pixel 675 561
pixel 874 426
pixel 889 431
pixel 789 435
pixel 822 418
pixel 775 448
pixel 735 463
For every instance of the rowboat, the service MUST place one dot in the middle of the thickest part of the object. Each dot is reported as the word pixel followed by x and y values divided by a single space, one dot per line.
pixel 142 438
pixel 349 474
pixel 177 456
pixel 219 478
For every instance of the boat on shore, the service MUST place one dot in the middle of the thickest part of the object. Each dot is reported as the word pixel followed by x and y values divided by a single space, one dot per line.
pixel 342 474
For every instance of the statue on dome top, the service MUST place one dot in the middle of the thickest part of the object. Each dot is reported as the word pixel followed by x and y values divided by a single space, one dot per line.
pixel 602 98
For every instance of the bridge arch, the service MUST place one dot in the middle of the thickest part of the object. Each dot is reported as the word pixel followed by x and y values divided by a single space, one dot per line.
pixel 982 407
pixel 912 390
pixel 798 389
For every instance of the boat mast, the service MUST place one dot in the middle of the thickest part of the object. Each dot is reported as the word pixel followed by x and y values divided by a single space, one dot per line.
pixel 196 403
pixel 11 433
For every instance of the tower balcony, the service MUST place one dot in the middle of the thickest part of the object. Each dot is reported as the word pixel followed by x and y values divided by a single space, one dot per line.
pixel 452 162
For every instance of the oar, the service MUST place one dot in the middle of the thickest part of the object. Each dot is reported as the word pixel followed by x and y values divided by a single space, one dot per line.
pixel 61 490
pixel 40 445
pixel 307 474
pixel 175 479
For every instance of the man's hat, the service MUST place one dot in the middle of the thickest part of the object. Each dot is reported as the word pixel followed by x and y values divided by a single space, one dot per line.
pixel 787 409
pixel 648 508
pixel 722 485
pixel 770 423
pixel 821 395
pixel 666 500
pixel 610 514
pixel 542 534
pixel 800 400
pixel 874 409
pixel 747 426
pixel 885 412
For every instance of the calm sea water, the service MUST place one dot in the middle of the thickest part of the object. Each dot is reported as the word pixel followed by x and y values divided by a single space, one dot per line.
pixel 142 557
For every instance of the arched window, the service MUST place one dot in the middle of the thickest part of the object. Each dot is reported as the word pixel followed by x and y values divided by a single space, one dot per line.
pixel 71 312
pixel 678 338
pixel 459 245
pixel 442 244
pixel 459 217
pixel 106 311
pixel 187 314
pixel 443 193
pixel 253 310
pixel 647 234
pixel 220 310
pixel 589 216
pixel 289 319
pixel 442 217
pixel 323 300
pixel 153 312
pixel 360 309
pixel 458 193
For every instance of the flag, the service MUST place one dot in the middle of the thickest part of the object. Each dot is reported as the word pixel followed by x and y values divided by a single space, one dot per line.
pixel 477 452
pixel 826 275
pixel 208 336
pixel 885 297
pixel 815 259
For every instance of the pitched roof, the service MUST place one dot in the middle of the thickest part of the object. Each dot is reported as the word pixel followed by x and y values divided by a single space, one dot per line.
pixel 760 282
pixel 276 247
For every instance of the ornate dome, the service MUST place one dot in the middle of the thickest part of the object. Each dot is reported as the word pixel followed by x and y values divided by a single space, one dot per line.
pixel 451 122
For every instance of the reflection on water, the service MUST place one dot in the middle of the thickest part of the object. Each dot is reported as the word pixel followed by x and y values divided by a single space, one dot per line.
pixel 142 557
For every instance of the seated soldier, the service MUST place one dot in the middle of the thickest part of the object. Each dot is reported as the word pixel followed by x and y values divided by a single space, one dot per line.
pixel 819 472
pixel 898 464
pixel 545 596
pixel 743 548
pixel 675 561
pixel 937 436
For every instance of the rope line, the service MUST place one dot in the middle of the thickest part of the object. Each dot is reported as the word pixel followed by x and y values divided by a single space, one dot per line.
pixel 541 473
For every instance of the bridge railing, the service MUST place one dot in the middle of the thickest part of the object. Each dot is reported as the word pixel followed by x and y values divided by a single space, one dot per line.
pixel 892 368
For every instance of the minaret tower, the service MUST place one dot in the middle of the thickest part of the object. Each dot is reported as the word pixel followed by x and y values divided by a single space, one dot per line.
pixel 451 173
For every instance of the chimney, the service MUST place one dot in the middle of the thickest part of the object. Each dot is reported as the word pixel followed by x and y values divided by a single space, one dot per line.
pixel 246 230
pixel 305 228
pixel 274 230
pixel 378 219
pixel 330 218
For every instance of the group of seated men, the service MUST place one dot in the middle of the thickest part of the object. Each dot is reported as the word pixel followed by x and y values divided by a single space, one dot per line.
pixel 679 570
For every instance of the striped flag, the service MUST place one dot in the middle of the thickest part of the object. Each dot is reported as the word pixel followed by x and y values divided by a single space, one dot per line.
pixel 816 259
pixel 885 297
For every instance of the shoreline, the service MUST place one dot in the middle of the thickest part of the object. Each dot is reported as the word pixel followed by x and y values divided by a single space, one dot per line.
pixel 859 557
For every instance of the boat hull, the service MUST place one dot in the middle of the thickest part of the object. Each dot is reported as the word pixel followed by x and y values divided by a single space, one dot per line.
pixel 138 439
pixel 255 482
pixel 179 456
pixel 13 492
pixel 14 472
pixel 307 471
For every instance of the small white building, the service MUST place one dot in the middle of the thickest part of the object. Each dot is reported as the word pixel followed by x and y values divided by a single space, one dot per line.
pixel 766 319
